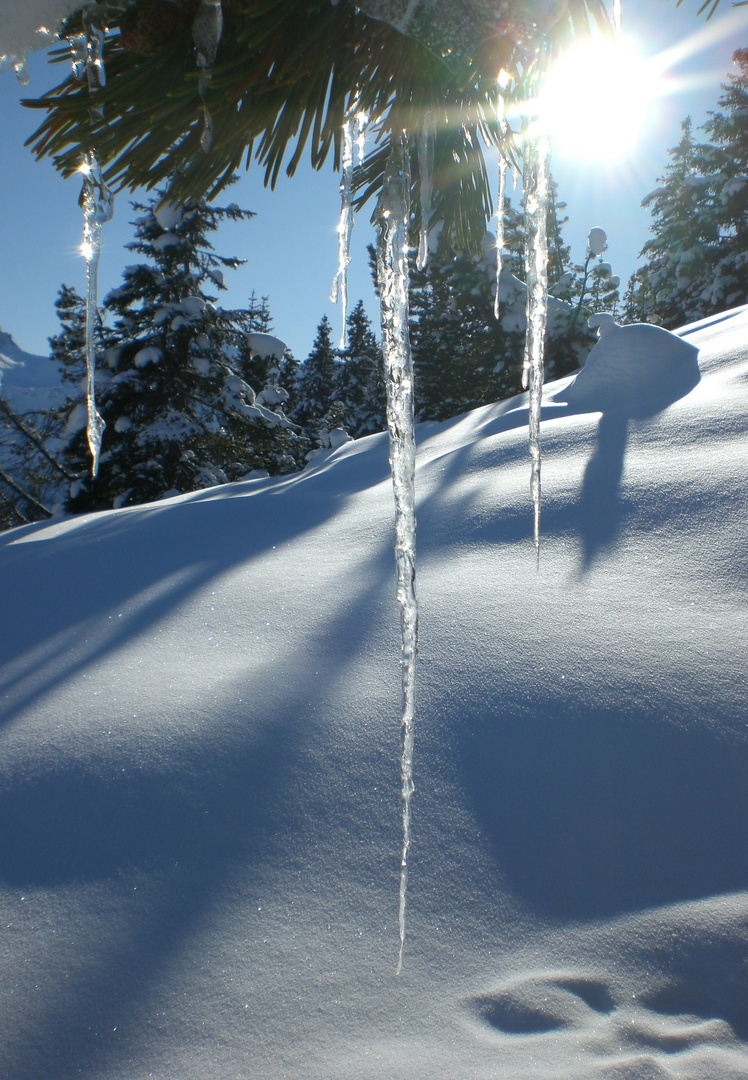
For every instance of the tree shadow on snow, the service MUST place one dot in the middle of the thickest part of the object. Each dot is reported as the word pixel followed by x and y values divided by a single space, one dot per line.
pixel 632 373
pixel 591 814
pixel 222 808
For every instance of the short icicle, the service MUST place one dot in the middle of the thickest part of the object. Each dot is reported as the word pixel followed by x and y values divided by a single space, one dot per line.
pixel 500 200
pixel 536 188
pixel 98 206
pixel 339 290
pixel 393 217
pixel 500 195
pixel 426 140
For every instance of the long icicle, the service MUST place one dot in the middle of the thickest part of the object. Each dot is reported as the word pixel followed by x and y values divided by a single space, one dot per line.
pixel 500 200
pixel 426 140
pixel 339 290
pixel 535 185
pixel 98 207
pixel 393 217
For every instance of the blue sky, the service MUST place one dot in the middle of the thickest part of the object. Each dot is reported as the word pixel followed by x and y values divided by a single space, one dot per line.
pixel 291 245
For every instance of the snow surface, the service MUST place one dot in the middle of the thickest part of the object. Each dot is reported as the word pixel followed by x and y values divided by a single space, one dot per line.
pixel 199 747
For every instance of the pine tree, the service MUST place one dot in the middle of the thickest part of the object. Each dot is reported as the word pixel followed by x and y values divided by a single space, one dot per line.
pixel 680 255
pixel 360 385
pixel 316 381
pixel 463 356
pixel 697 260
pixel 178 414
pixel 727 166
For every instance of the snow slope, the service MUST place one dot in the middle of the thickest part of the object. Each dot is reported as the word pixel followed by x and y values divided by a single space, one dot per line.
pixel 28 383
pixel 199 805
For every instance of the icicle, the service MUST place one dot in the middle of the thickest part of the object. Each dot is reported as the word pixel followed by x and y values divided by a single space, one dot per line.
pixel 354 134
pixel 500 199
pixel 536 186
pixel 339 290
pixel 98 207
pixel 426 140
pixel 207 28
pixel 362 122
pixel 503 82
pixel 88 55
pixel 393 214
pixel 617 17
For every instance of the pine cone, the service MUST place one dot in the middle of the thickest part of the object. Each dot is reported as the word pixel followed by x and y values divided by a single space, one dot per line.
pixel 146 29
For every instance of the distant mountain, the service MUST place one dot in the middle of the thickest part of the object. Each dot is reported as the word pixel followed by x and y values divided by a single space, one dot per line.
pixel 28 383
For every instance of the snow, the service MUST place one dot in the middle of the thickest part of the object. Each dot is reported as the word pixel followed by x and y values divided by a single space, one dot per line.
pixel 265 346
pixel 199 785
pixel 597 241
pixel 636 370
pixel 28 383
pixel 20 23
pixel 149 355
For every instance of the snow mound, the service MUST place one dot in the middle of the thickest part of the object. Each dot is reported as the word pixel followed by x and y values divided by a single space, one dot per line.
pixel 637 369
pixel 199 740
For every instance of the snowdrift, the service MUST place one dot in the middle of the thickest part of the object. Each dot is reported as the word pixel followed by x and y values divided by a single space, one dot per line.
pixel 199 794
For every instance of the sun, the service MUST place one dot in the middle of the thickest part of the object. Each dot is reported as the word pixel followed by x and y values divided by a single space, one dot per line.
pixel 597 99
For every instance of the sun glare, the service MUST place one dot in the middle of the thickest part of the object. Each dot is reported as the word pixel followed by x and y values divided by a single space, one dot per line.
pixel 597 98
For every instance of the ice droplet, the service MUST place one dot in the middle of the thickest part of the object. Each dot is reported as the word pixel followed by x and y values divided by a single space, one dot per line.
pixel 393 217
pixel 22 72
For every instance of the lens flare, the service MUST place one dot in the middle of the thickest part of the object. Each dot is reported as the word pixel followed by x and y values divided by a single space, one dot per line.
pixel 597 98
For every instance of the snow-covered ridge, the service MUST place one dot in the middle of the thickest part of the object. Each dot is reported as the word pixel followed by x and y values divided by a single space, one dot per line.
pixel 28 382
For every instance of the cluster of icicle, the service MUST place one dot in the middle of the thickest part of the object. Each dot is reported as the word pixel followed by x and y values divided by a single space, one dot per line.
pixel 393 220
pixel 87 50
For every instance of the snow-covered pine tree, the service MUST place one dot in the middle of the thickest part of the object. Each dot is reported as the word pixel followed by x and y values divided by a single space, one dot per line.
pixel 179 416
pixel 697 258
pixel 360 386
pixel 670 287
pixel 462 356
pixel 259 368
pixel 726 165
pixel 316 381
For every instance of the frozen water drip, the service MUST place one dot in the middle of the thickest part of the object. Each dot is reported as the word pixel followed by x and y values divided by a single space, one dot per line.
pixel 426 140
pixel 393 217
pixel 536 190
pixel 98 207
